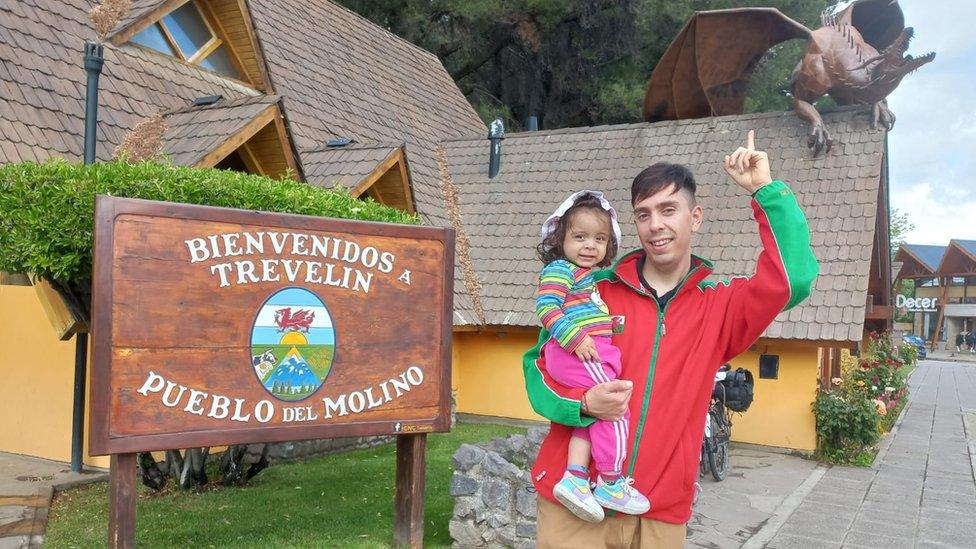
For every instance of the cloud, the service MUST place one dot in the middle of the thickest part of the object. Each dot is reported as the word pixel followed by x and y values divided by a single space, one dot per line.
pixel 931 150
pixel 936 218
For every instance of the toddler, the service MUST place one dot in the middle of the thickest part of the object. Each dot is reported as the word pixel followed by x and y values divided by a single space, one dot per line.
pixel 581 235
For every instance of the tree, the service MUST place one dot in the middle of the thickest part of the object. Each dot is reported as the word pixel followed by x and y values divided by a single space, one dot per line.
pixel 571 63
pixel 898 226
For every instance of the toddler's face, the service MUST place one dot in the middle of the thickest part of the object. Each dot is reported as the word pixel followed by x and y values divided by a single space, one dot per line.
pixel 587 235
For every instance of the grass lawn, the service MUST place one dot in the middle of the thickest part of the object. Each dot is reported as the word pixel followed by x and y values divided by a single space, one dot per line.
pixel 344 500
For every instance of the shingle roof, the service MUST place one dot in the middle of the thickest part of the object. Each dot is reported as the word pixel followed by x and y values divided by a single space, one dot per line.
pixel 347 165
pixel 930 256
pixel 362 82
pixel 838 192
pixel 42 83
pixel 137 10
pixel 192 132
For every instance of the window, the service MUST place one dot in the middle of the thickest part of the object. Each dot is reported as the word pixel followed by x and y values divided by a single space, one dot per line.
pixel 186 34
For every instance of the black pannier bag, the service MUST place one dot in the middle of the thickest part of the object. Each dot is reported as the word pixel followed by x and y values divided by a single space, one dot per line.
pixel 738 387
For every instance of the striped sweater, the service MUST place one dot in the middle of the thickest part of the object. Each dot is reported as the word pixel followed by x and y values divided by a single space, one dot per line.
pixel 566 307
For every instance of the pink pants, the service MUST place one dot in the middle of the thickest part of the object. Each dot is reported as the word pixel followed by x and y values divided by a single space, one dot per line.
pixel 607 438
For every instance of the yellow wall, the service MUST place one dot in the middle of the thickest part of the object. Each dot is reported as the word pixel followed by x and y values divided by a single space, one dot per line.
pixel 487 375
pixel 781 414
pixel 38 381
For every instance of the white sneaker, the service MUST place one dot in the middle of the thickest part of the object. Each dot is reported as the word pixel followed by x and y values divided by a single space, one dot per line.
pixel 575 494
pixel 621 496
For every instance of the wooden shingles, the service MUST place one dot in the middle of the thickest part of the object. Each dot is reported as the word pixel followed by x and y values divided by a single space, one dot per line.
pixel 838 192
pixel 342 76
pixel 42 83
pixel 203 136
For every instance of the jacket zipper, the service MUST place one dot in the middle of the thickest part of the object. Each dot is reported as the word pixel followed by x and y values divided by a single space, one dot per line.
pixel 660 332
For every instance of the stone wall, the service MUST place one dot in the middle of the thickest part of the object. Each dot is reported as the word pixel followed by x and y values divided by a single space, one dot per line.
pixel 494 501
pixel 305 449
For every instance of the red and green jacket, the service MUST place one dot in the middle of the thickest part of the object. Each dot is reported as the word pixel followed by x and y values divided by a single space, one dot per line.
pixel 672 354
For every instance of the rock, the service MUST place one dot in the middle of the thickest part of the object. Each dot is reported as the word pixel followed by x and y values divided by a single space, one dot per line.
pixel 496 465
pixel 467 456
pixel 525 529
pixel 506 535
pixel 463 485
pixel 491 486
pixel 465 506
pixel 535 435
pixel 497 495
pixel 465 534
pixel 525 502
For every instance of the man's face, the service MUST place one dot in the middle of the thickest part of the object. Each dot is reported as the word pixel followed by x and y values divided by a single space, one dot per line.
pixel 665 222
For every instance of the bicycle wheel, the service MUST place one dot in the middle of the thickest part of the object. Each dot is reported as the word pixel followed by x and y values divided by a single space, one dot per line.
pixel 718 449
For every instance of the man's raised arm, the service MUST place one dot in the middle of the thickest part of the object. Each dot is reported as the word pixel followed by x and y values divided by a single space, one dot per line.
pixel 786 267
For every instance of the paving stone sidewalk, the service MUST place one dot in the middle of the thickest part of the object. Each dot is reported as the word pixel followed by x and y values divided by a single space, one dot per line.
pixel 921 490
pixel 729 512
pixel 26 487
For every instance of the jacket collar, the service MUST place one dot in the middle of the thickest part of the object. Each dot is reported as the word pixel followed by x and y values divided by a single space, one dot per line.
pixel 625 269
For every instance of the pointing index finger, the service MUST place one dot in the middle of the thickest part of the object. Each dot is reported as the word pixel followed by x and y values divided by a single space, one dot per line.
pixel 751 140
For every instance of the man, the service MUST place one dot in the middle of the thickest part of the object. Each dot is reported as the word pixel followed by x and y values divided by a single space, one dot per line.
pixel 677 329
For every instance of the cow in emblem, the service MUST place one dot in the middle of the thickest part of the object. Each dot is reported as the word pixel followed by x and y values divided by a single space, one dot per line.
pixel 263 363
pixel 299 321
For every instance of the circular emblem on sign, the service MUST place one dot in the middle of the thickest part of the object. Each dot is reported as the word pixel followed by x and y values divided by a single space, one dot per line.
pixel 292 344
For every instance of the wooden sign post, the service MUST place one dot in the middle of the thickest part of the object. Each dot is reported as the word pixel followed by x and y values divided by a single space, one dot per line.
pixel 215 326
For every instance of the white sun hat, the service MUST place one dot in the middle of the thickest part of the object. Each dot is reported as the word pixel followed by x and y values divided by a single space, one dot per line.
pixel 550 224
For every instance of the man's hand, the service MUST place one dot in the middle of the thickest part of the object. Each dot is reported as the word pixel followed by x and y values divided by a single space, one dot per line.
pixel 747 166
pixel 608 401
pixel 586 350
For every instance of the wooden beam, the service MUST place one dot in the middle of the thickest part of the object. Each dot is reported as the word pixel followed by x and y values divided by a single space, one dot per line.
pixel 250 160
pixel 218 28
pixel 942 304
pixel 122 501
pixel 233 142
pixel 205 50
pixel 407 187
pixel 265 77
pixel 408 502
pixel 147 19
pixel 62 319
pixel 378 171
pixel 286 144
pixel 878 312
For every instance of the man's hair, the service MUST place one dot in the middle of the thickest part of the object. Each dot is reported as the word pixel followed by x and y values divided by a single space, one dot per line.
pixel 551 248
pixel 660 176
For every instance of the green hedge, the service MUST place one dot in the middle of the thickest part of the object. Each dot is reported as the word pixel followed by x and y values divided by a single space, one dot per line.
pixel 46 210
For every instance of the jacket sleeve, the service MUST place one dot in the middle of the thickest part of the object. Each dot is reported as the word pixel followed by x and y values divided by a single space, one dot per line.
pixel 555 402
pixel 784 275
pixel 555 283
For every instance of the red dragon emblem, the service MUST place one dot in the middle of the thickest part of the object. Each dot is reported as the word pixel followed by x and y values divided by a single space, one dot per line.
pixel 300 321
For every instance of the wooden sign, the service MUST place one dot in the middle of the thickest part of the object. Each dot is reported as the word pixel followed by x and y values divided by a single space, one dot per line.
pixel 215 326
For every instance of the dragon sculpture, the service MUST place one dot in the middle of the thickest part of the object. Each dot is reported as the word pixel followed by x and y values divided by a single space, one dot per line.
pixel 857 57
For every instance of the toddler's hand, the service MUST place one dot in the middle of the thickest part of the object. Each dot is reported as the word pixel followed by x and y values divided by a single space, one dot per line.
pixel 586 350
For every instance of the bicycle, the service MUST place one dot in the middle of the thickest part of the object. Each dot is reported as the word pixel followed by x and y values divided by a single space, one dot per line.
pixel 718 431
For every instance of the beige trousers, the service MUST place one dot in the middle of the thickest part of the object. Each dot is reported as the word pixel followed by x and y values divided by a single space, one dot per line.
pixel 558 528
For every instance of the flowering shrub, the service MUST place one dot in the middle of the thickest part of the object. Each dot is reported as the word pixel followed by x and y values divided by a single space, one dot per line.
pixel 908 354
pixel 862 404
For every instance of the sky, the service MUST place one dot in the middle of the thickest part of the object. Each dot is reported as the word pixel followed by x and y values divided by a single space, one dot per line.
pixel 932 148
